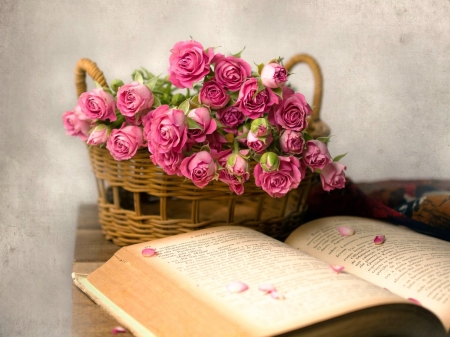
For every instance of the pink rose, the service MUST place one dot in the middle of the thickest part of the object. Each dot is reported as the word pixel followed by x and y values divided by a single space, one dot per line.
pixel 292 142
pixel 279 182
pixel 170 161
pixel 98 104
pixel 200 168
pixel 133 98
pixel 123 143
pixel 273 75
pixel 231 117
pixel 316 155
pixel 292 112
pixel 203 118
pixel 235 184
pixel 258 144
pixel 189 63
pixel 168 130
pixel 213 95
pixel 255 106
pixel 237 165
pixel 99 135
pixel 216 141
pixel 221 157
pixel 333 176
pixel 76 123
pixel 231 72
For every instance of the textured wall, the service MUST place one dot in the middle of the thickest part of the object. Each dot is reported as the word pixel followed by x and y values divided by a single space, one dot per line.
pixel 387 93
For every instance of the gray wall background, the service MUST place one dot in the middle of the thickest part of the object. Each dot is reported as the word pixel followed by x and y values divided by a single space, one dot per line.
pixel 387 92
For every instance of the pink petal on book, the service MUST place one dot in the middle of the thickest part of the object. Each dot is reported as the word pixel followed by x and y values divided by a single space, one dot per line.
pixel 147 252
pixel 337 268
pixel 118 329
pixel 379 239
pixel 237 287
pixel 346 231
pixel 414 301
pixel 276 295
pixel 267 288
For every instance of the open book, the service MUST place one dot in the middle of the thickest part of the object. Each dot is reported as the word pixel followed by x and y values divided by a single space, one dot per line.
pixel 399 287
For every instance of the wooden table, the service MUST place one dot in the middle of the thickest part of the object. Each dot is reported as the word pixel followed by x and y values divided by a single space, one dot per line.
pixel 91 251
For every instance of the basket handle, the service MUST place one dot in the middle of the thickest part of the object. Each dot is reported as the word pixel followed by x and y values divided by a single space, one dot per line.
pixel 316 127
pixel 87 66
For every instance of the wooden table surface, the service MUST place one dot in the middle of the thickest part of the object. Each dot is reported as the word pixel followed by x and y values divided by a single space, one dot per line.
pixel 91 251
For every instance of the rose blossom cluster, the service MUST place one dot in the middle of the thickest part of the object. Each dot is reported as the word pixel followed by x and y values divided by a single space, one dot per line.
pixel 230 124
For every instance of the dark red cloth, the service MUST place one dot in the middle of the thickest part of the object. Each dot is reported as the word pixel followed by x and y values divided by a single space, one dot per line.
pixel 422 205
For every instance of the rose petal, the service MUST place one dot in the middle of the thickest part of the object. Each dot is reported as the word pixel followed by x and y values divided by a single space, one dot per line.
pixel 337 268
pixel 118 329
pixel 414 301
pixel 267 288
pixel 237 287
pixel 147 252
pixel 379 239
pixel 277 296
pixel 346 231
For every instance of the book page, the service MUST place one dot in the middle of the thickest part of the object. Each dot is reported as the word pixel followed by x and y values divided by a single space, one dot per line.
pixel 410 264
pixel 205 262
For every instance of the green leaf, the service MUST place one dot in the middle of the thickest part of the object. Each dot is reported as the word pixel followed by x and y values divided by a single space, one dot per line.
pixel 278 92
pixel 97 85
pixel 193 124
pixel 205 148
pixel 234 95
pixel 238 54
pixel 261 87
pixel 307 136
pixel 148 74
pixel 184 106
pixel 337 158
pixel 260 67
pixel 108 90
pixel 138 77
pixel 116 84
pixel 151 83
pixel 324 139
pixel 194 101
pixel 156 103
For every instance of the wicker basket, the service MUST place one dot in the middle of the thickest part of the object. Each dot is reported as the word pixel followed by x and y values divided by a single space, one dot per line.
pixel 139 202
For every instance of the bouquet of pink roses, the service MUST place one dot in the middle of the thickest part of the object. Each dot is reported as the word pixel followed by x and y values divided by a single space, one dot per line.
pixel 227 124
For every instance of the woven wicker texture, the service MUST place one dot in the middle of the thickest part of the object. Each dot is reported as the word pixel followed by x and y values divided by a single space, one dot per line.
pixel 139 202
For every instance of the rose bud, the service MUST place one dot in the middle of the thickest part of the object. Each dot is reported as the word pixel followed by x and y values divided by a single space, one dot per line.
pixel 260 127
pixel 259 144
pixel 99 135
pixel 273 75
pixel 269 161
pixel 199 167
pixel 237 165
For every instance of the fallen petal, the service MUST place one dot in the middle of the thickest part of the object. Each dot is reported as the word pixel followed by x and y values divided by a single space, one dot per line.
pixel 276 295
pixel 237 287
pixel 337 268
pixel 267 288
pixel 379 239
pixel 414 301
pixel 118 329
pixel 147 252
pixel 346 231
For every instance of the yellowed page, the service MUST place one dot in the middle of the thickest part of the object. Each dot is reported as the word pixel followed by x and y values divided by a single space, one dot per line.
pixel 409 264
pixel 206 261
